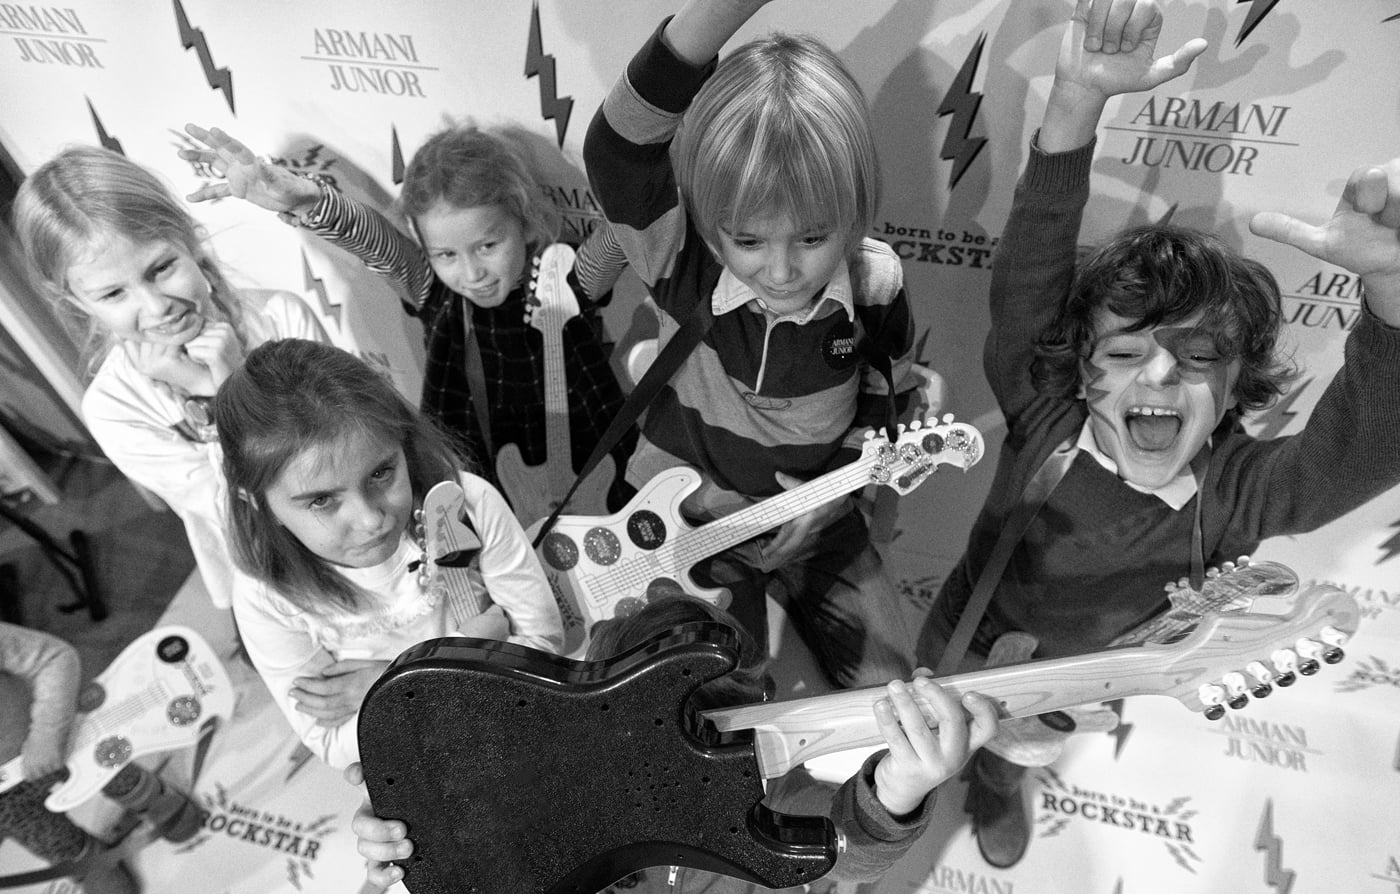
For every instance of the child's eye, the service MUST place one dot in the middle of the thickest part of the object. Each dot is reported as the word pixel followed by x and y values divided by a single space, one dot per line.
pixel 816 239
pixel 109 296
pixel 316 504
pixel 383 473
pixel 163 267
pixel 444 255
pixel 488 247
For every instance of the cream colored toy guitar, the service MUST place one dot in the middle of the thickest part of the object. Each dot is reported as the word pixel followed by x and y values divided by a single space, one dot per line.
pixel 161 694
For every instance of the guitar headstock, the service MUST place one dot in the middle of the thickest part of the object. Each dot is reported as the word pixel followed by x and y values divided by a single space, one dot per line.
pixel 1233 655
pixel 549 302
pixel 1231 586
pixel 920 449
pixel 449 541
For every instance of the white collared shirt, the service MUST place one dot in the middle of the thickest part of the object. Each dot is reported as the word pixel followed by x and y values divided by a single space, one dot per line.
pixel 1175 493
pixel 730 293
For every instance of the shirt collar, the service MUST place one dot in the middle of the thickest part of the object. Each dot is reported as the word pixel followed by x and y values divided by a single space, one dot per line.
pixel 1175 493
pixel 730 294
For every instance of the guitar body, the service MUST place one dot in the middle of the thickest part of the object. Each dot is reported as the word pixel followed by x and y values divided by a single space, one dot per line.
pixel 532 496
pixel 600 567
pixel 534 492
pixel 561 776
pixel 160 694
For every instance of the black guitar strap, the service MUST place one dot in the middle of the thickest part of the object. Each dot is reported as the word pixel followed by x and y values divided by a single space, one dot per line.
pixel 658 374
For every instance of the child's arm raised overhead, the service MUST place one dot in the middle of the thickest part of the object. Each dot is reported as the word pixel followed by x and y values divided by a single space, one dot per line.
pixel 327 212
pixel 1109 48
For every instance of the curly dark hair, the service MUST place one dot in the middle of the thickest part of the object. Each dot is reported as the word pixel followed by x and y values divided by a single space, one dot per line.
pixel 1160 274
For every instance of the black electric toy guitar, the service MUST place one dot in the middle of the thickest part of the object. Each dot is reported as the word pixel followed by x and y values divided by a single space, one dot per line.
pixel 602 566
pixel 535 491
pixel 161 693
pixel 520 771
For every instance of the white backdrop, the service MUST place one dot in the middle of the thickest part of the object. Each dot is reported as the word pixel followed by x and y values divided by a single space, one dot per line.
pixel 1290 97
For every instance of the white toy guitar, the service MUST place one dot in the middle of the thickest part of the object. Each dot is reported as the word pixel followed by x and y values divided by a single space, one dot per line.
pixel 160 694
pixel 603 566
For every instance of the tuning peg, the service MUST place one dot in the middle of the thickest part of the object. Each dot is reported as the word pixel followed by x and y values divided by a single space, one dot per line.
pixel 1262 676
pixel 1235 686
pixel 1213 697
pixel 948 418
pixel 1334 639
pixel 1286 663
pixel 1311 651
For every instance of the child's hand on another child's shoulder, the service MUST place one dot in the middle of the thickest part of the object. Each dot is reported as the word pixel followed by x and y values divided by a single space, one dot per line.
pixel 923 757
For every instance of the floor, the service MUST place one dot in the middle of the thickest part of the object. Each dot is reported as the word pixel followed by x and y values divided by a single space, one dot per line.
pixel 140 558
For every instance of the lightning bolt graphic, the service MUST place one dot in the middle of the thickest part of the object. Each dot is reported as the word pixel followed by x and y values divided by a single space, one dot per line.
pixel 1167 215
pixel 1258 9
pixel 1275 876
pixel 1391 548
pixel 1120 732
pixel 313 284
pixel 106 141
pixel 962 104
pixel 396 152
pixel 1281 413
pixel 193 38
pixel 552 106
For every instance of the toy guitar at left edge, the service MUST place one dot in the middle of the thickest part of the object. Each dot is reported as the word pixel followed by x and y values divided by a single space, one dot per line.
pixel 517 770
pixel 160 694
pixel 601 566
pixel 535 491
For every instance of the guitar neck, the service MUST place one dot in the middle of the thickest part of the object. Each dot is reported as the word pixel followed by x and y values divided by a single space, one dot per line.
pixel 790 733
pixel 737 527
pixel 556 412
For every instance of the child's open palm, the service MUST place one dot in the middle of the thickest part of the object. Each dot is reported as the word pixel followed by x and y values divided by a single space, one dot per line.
pixel 1110 48
pixel 245 175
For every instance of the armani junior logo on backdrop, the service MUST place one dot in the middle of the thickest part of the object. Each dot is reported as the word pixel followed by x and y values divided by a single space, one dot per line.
pixel 50 35
pixel 374 63
pixel 1282 746
pixel 1059 803
pixel 945 878
pixel 1328 299
pixel 1209 137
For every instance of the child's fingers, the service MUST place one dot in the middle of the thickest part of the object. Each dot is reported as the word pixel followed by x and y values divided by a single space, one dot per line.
pixel 1118 15
pixel 984 719
pixel 1178 63
pixel 354 773
pixel 211 191
pixel 952 728
pixel 1280 227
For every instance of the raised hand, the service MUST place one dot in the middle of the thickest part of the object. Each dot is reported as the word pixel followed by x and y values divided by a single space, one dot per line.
pixel 1109 47
pixel 1362 236
pixel 926 750
pixel 246 176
